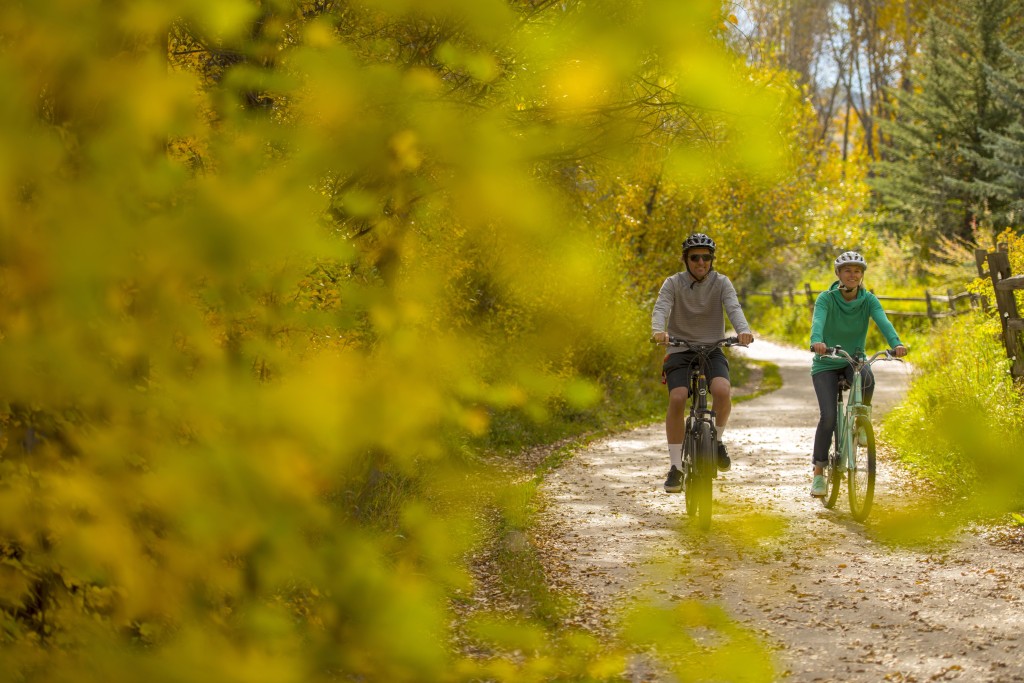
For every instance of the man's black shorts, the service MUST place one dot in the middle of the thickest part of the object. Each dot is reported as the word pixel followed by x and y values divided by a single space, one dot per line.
pixel 676 367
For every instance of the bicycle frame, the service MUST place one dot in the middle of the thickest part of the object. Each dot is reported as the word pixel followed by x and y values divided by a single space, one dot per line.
pixel 698 399
pixel 847 419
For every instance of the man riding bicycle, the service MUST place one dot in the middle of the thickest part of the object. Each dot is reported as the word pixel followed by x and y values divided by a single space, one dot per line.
pixel 841 317
pixel 690 305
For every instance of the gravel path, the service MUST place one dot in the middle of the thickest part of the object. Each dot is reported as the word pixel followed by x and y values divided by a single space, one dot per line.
pixel 828 597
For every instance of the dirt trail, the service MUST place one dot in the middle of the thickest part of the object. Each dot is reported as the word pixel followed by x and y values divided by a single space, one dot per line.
pixel 832 602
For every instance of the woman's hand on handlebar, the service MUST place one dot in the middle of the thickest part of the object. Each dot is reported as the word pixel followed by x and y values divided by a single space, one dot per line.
pixel 819 348
pixel 899 351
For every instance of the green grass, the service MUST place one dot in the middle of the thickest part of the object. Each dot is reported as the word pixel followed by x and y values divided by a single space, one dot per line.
pixel 770 380
pixel 787 322
pixel 961 426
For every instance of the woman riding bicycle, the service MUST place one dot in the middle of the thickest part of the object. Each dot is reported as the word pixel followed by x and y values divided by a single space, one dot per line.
pixel 690 305
pixel 841 318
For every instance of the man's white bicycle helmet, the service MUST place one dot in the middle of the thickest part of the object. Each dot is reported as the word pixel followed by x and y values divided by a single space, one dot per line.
pixel 850 258
pixel 698 239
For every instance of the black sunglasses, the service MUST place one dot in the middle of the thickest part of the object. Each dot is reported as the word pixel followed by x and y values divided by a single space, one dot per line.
pixel 701 257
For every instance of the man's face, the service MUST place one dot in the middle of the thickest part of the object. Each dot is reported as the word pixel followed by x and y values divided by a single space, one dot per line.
pixel 698 260
pixel 851 275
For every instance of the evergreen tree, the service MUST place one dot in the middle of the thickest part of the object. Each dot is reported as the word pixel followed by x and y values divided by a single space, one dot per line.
pixel 936 178
pixel 1005 164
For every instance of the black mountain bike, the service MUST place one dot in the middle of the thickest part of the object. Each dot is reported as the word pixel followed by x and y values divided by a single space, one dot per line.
pixel 700 440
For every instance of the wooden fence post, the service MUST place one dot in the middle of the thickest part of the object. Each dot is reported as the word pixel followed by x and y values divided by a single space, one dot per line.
pixel 951 301
pixel 810 295
pixel 928 306
pixel 981 260
pixel 999 269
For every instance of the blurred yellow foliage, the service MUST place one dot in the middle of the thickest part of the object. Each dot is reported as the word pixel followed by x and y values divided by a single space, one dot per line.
pixel 270 272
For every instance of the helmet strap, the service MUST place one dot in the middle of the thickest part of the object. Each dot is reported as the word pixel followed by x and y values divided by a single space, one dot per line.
pixel 844 288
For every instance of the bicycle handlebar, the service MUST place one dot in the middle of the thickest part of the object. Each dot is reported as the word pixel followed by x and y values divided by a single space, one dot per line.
pixel 679 341
pixel 839 352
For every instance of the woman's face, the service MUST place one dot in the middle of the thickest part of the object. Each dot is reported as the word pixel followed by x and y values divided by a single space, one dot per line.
pixel 851 276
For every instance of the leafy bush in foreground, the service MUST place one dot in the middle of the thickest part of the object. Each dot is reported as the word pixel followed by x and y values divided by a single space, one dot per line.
pixel 267 271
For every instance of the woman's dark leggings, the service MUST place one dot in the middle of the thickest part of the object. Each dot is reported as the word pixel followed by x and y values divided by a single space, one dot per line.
pixel 826 385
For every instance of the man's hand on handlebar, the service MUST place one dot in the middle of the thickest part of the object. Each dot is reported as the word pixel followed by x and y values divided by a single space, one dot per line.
pixel 746 339
pixel 660 337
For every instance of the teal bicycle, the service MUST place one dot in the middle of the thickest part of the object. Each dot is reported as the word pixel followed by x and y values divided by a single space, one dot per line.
pixel 853 448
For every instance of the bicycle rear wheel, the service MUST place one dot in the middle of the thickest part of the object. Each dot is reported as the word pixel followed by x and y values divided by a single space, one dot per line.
pixel 861 479
pixel 706 460
pixel 833 472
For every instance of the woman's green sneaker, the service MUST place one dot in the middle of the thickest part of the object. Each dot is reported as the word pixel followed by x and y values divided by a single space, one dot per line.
pixel 818 487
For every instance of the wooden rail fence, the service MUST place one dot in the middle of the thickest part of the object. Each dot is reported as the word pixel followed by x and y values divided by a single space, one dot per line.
pixel 937 306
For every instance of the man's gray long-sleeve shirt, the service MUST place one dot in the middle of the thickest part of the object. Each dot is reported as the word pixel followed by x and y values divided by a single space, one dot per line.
pixel 696 311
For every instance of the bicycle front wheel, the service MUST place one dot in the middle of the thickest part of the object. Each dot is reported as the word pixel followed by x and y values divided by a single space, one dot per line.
pixel 706 461
pixel 833 472
pixel 861 479
pixel 689 492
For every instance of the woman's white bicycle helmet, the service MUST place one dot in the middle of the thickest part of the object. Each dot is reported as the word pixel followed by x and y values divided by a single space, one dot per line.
pixel 850 258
